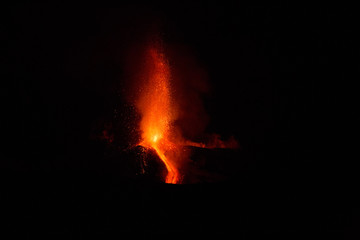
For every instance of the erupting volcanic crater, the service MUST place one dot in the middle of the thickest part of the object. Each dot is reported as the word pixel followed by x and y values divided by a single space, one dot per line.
pixel 164 99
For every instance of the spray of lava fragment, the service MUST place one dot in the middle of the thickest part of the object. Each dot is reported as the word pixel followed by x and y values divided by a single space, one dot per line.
pixel 155 106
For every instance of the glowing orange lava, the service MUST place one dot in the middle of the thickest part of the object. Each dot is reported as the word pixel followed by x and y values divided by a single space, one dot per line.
pixel 155 106
pixel 159 111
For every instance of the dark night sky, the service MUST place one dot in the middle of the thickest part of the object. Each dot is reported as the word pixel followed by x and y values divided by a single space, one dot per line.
pixel 282 83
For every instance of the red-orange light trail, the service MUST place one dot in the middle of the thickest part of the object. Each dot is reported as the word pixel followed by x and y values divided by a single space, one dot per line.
pixel 157 112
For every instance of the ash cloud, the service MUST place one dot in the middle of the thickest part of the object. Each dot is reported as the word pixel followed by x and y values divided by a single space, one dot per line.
pixel 190 85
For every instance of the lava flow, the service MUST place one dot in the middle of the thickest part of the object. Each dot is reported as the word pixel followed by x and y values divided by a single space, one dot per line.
pixel 155 106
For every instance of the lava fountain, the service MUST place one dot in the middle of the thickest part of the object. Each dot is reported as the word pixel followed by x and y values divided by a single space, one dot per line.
pixel 157 112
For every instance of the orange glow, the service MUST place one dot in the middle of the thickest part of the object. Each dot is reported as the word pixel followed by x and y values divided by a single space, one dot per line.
pixel 155 102
pixel 155 106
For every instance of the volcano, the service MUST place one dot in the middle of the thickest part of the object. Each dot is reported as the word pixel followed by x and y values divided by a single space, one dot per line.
pixel 159 111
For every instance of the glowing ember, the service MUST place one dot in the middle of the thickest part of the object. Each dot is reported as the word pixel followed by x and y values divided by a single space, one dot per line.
pixel 155 106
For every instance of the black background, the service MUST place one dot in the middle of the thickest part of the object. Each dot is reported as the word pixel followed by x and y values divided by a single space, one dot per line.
pixel 283 83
